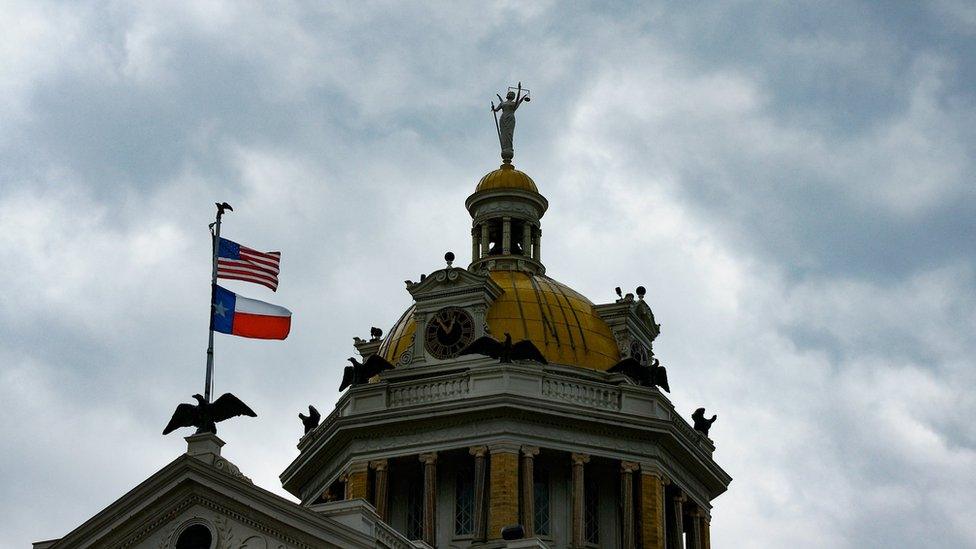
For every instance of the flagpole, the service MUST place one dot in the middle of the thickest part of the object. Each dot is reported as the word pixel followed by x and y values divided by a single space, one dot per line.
pixel 208 389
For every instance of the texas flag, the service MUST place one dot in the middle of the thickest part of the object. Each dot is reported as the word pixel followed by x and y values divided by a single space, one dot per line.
pixel 240 316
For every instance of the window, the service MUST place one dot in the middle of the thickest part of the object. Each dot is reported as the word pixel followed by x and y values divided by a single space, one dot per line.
pixel 540 496
pixel 591 510
pixel 464 502
pixel 195 537
pixel 415 511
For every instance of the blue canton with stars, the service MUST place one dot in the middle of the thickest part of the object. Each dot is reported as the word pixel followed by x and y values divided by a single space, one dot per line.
pixel 222 310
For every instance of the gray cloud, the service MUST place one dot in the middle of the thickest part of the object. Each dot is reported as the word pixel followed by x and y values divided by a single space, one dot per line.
pixel 789 183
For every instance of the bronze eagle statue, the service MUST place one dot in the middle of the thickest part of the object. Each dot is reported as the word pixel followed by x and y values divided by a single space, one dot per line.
pixel 311 421
pixel 504 351
pixel 703 424
pixel 648 376
pixel 359 373
pixel 206 415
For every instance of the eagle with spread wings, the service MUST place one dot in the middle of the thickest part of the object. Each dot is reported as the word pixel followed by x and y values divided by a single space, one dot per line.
pixel 504 351
pixel 206 415
pixel 648 376
pixel 360 372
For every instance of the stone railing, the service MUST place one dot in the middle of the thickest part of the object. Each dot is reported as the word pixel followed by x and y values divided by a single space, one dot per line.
pixel 607 398
pixel 426 391
pixel 499 379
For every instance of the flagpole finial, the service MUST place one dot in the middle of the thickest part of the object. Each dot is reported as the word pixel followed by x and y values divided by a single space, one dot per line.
pixel 223 207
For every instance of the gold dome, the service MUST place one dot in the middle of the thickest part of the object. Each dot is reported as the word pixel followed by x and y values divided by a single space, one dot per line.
pixel 506 177
pixel 559 321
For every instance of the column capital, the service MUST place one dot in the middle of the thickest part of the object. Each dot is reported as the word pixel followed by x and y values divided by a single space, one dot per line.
pixel 379 464
pixel 657 475
pixel 580 459
pixel 654 470
pixel 629 466
pixel 429 458
pixel 530 451
pixel 504 447
pixel 478 451
pixel 679 498
pixel 358 467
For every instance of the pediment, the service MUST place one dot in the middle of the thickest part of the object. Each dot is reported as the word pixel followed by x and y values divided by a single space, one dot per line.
pixel 453 280
pixel 643 311
pixel 239 515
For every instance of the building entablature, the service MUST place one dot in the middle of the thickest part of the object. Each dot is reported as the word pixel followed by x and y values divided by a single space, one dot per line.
pixel 555 407
pixel 520 204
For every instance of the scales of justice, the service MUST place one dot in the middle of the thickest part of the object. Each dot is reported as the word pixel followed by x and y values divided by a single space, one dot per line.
pixel 505 124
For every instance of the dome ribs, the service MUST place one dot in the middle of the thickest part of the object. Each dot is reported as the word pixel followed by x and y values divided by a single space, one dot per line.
pixel 546 322
pixel 562 308
pixel 518 301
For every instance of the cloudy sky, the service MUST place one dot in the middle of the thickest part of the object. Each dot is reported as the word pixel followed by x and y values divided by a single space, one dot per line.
pixel 793 184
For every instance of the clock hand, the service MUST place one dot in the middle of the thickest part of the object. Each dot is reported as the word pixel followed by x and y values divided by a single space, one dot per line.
pixel 440 323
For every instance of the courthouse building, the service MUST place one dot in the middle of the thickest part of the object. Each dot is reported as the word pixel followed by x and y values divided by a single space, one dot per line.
pixel 447 450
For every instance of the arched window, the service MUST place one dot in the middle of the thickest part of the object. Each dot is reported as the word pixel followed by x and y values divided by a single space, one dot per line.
pixel 196 536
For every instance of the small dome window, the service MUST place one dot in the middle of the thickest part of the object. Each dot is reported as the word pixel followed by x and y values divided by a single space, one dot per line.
pixel 196 536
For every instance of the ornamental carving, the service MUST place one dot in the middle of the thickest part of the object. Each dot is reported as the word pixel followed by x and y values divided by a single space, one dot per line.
pixel 406 357
pixel 505 207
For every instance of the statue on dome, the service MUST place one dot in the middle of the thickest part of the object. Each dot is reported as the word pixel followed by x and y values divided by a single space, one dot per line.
pixel 505 125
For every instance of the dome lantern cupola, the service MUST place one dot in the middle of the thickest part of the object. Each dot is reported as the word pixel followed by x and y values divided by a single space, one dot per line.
pixel 506 233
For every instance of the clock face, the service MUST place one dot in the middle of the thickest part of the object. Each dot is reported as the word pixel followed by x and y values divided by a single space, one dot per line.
pixel 448 331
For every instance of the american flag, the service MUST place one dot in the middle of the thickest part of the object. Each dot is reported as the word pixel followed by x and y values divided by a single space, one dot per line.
pixel 236 262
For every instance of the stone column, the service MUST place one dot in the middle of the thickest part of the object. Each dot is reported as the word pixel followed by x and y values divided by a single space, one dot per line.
pixel 578 539
pixel 430 497
pixel 475 245
pixel 537 248
pixel 527 239
pixel 528 489
pixel 506 235
pixel 380 484
pixel 627 469
pixel 356 480
pixel 479 490
pixel 485 239
pixel 706 533
pixel 652 509
pixel 503 493
pixel 677 528
pixel 694 531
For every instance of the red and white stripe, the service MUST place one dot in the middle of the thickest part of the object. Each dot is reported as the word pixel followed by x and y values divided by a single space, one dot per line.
pixel 253 266
pixel 257 319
